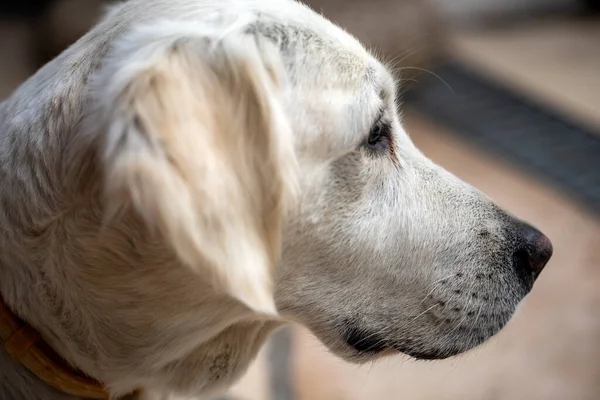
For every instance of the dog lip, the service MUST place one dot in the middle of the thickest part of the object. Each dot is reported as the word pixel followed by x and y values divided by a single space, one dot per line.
pixel 416 354
pixel 364 341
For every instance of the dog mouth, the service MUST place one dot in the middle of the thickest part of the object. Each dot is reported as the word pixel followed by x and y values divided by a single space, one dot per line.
pixel 367 345
pixel 364 342
pixel 381 349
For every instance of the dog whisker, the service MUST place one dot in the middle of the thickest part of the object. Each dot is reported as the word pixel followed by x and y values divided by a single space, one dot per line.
pixel 437 284
pixel 433 74
pixel 433 306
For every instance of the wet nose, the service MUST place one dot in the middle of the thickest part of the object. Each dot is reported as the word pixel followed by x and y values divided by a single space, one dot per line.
pixel 533 252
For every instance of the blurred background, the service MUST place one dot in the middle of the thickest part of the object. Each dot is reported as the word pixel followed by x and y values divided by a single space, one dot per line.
pixel 506 95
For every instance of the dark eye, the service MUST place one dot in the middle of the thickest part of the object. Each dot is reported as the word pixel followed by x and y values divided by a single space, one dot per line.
pixel 379 135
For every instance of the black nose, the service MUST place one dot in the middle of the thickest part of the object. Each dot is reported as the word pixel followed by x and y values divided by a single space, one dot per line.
pixel 533 251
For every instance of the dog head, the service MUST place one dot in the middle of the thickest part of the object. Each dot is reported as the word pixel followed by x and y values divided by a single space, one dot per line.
pixel 381 248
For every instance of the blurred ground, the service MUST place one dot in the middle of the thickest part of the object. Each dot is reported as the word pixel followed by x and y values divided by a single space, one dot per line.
pixel 551 349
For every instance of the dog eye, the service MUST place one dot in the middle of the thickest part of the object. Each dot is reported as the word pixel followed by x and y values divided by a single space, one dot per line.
pixel 379 135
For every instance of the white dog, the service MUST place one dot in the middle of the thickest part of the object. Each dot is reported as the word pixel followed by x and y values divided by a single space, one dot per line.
pixel 191 174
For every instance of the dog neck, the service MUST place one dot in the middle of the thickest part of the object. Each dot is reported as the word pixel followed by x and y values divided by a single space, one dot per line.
pixel 28 364
pixel 17 382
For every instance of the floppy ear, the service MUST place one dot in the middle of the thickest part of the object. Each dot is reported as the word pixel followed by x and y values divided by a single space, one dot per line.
pixel 198 144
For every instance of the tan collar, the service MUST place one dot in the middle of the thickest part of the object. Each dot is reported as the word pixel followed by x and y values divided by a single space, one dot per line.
pixel 26 346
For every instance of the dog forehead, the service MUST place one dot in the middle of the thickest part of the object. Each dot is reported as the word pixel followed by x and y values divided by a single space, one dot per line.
pixel 313 48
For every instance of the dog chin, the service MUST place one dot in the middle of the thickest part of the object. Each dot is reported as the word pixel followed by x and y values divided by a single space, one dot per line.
pixel 429 355
pixel 360 357
pixel 360 347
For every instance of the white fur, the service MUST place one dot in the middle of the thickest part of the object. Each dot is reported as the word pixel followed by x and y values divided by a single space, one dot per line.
pixel 193 173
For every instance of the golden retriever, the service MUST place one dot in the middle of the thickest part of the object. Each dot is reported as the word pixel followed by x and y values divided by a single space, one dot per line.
pixel 191 174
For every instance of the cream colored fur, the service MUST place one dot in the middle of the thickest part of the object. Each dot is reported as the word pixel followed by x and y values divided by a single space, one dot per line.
pixel 193 173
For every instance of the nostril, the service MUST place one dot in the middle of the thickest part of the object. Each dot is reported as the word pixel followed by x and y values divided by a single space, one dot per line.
pixel 521 262
pixel 541 253
pixel 534 252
